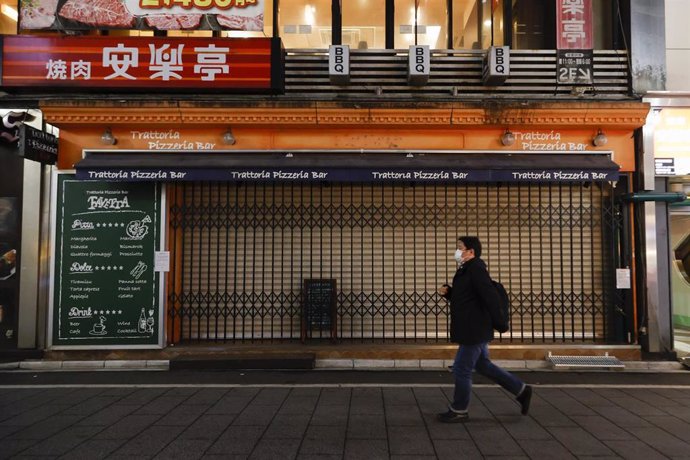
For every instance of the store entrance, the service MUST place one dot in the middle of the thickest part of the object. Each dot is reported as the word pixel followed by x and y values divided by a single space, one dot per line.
pixel 679 229
pixel 241 252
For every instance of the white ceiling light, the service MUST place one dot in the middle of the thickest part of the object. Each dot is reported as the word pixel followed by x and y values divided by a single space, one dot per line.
pixel 309 15
pixel 10 12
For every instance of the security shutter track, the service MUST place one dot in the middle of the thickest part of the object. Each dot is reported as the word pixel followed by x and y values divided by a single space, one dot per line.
pixel 242 251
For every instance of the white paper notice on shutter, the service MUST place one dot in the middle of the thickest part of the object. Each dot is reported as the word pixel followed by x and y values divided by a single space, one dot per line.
pixel 622 278
pixel 162 261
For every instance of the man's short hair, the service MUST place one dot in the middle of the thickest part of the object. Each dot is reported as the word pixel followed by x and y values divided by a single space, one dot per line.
pixel 472 242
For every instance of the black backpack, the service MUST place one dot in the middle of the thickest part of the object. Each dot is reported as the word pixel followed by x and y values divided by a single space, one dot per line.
pixel 503 308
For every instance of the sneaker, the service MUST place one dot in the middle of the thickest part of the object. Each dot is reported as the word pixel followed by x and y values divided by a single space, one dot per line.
pixel 452 416
pixel 524 399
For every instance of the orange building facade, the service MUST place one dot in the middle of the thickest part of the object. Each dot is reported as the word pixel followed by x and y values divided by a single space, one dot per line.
pixel 240 250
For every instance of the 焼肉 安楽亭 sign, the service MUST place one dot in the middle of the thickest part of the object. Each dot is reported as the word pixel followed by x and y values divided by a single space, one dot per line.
pixel 105 288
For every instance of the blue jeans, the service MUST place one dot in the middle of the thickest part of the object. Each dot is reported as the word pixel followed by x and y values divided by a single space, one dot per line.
pixel 471 357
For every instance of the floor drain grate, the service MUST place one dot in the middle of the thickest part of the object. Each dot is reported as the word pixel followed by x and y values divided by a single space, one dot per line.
pixel 606 361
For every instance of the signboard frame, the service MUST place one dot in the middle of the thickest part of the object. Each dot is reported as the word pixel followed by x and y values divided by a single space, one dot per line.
pixel 339 64
pixel 41 153
pixel 310 324
pixel 575 67
pixel 669 136
pixel 93 63
pixel 574 24
pixel 418 65
pixel 496 65
pixel 360 175
pixel 158 245
pixel 574 42
pixel 279 172
pixel 665 167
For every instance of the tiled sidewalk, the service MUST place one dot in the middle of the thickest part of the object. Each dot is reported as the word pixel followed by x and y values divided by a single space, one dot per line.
pixel 337 423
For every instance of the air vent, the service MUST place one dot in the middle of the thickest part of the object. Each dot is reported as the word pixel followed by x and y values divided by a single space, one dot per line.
pixel 585 362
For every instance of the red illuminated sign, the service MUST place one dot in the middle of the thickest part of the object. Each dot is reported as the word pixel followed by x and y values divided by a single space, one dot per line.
pixel 574 58
pixel 142 62
pixel 574 24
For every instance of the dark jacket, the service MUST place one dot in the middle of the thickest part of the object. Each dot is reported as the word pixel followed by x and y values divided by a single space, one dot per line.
pixel 473 302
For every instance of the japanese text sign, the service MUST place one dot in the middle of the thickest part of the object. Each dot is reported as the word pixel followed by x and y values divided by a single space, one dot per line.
pixel 574 41
pixel 140 62
pixel 574 24
pixel 575 66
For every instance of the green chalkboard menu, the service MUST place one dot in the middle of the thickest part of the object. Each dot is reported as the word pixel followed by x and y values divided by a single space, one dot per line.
pixel 319 308
pixel 105 288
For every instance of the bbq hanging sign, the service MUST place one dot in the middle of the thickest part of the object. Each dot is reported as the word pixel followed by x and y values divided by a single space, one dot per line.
pixel 245 15
pixel 142 62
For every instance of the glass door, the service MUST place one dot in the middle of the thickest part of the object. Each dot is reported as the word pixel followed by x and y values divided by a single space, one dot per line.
pixel 679 230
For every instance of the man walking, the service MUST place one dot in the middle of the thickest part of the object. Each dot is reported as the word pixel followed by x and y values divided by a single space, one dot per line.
pixel 474 309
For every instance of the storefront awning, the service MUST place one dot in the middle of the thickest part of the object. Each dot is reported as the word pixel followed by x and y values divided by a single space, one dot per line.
pixel 347 167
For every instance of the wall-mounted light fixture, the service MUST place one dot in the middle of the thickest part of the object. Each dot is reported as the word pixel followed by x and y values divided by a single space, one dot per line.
pixel 600 139
pixel 229 138
pixel 507 138
pixel 107 137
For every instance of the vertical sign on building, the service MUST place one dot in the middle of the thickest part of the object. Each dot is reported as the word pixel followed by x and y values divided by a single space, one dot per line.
pixel 496 65
pixel 339 64
pixel 574 41
pixel 105 288
pixel 419 65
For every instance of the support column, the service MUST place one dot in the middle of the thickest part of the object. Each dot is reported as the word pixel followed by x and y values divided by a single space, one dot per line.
pixel 30 261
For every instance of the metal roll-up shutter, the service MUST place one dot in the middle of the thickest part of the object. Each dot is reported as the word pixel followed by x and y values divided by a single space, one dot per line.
pixel 242 251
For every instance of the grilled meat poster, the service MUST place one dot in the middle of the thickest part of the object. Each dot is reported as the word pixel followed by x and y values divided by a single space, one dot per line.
pixel 246 15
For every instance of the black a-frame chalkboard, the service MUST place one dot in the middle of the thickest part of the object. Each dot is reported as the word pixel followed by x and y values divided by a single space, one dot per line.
pixel 105 289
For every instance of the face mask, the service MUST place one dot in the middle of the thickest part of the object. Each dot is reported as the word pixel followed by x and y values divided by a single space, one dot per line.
pixel 458 255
